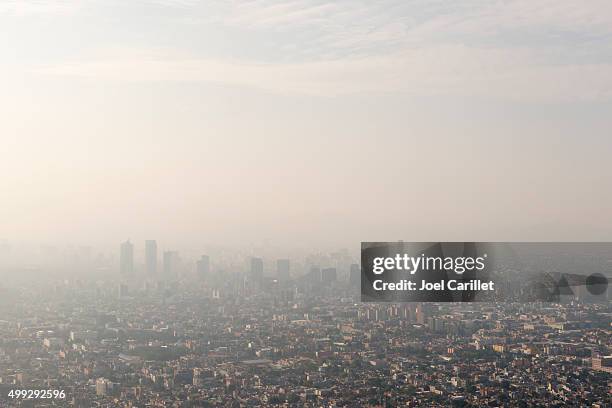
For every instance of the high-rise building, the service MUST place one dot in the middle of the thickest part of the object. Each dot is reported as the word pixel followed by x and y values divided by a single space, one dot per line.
pixel 283 269
pixel 103 386
pixel 256 269
pixel 123 290
pixel 203 267
pixel 419 313
pixel 328 275
pixel 151 257
pixel 170 263
pixel 126 258
pixel 355 275
pixel 314 275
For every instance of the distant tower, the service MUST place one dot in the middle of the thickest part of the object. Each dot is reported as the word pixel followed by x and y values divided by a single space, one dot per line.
pixel 257 269
pixel 355 275
pixel 314 275
pixel 170 263
pixel 328 275
pixel 420 314
pixel 123 290
pixel 126 258
pixel 283 268
pixel 203 267
pixel 151 257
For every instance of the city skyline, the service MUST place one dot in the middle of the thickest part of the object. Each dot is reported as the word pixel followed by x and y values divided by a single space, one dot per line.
pixel 305 203
pixel 307 341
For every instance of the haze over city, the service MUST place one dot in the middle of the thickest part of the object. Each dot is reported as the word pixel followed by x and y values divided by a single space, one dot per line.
pixel 304 124
pixel 305 203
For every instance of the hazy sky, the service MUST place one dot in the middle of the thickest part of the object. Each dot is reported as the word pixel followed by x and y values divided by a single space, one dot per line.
pixel 305 122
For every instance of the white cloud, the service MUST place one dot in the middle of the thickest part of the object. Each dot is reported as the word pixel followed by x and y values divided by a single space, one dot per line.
pixel 38 7
pixel 493 49
pixel 354 26
pixel 456 70
pixel 271 14
pixel 173 3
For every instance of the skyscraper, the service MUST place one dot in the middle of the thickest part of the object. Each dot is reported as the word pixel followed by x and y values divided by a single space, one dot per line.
pixel 170 263
pixel 126 258
pixel 203 266
pixel 151 257
pixel 282 268
pixel 123 290
pixel 256 269
pixel 314 275
pixel 355 275
pixel 328 275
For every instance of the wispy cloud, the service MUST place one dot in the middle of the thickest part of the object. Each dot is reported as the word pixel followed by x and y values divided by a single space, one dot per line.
pixel 173 3
pixel 38 7
pixel 504 49
pixel 456 70
pixel 273 14
pixel 375 27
